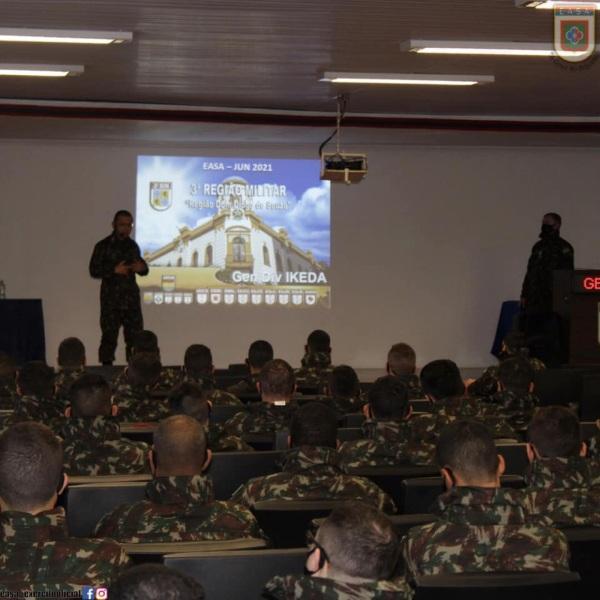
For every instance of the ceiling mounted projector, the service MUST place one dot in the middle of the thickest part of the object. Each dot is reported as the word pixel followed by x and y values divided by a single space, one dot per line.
pixel 341 167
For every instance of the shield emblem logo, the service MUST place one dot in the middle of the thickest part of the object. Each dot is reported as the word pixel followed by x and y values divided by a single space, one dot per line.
pixel 243 296
pixel 188 298
pixel 256 297
pixel 270 297
pixel 229 296
pixel 310 298
pixel 148 297
pixel 297 296
pixel 215 296
pixel 574 32
pixel 161 195
pixel 168 298
pixel 284 297
pixel 178 298
pixel 201 296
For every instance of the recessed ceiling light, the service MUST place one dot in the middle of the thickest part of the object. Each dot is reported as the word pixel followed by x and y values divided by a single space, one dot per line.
pixel 406 78
pixel 478 48
pixel 21 70
pixel 549 4
pixel 64 36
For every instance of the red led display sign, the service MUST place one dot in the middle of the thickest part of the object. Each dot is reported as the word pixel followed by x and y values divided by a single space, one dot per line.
pixel 586 283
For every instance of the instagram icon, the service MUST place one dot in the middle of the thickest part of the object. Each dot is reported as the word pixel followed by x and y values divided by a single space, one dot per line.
pixel 101 594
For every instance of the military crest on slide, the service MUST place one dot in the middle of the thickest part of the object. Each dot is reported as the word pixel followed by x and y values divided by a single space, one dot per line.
pixel 574 32
pixel 161 195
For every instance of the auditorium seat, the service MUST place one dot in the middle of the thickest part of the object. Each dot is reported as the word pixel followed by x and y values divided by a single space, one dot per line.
pixel 584 544
pixel 421 405
pixel 139 432
pixel 237 575
pixel 419 494
pixel 261 442
pixel 515 457
pixel 221 414
pixel 499 586
pixel 589 405
pixel 349 434
pixel 353 420
pixel 561 386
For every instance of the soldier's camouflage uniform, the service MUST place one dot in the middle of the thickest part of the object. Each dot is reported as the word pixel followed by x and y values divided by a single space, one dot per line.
pixel 119 294
pixel 32 408
pixel 137 404
pixel 221 441
pixel 167 380
pixel 93 446
pixel 179 509
pixel 245 387
pixel 36 551
pixel 303 587
pixel 386 444
pixel 315 370
pixel 260 417
pixel 594 445
pixel 567 490
pixel 344 406
pixel 484 529
pixel 487 383
pixel 516 407
pixel 62 383
pixel 8 393
pixel 413 385
pixel 213 394
pixel 312 473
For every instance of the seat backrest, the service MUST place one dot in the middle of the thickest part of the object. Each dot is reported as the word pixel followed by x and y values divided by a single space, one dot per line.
pixel 221 413
pixel 229 470
pixel 498 586
pixel 589 406
pixel 515 457
pixel 87 503
pixel 139 432
pixel 559 386
pixel 584 544
pixel 237 575
pixel 422 405
pixel 349 434
pixel 261 442
pixel 353 420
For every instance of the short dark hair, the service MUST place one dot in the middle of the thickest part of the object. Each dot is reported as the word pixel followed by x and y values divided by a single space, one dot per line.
pixel 402 359
pixel 122 213
pixel 557 218
pixel 314 424
pixel 31 463
pixel 155 582
pixel 145 341
pixel 467 447
pixel 144 368
pixel 8 367
pixel 343 382
pixel 259 354
pixel 515 343
pixel 189 399
pixel 198 360
pixel 319 341
pixel 441 379
pixel 388 398
pixel 360 541
pixel 179 442
pixel 90 396
pixel 516 374
pixel 555 432
pixel 71 353
pixel 277 378
pixel 36 378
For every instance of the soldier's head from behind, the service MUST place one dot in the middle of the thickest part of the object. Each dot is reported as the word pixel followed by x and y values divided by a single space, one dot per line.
pixel 36 378
pixel 180 448
pixel 31 468
pixel 467 455
pixel 551 224
pixel 189 399
pixel 90 396
pixel 276 382
pixel 441 379
pixel 318 342
pixel 145 341
pixel 144 369
pixel 122 224
pixel 354 541
pixel 554 432
pixel 343 382
pixel 155 582
pixel 516 375
pixel 198 361
pixel 388 400
pixel 71 353
pixel 259 354
pixel 514 344
pixel 314 424
pixel 8 368
pixel 401 360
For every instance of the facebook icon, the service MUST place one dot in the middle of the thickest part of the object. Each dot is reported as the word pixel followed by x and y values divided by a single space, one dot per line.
pixel 88 593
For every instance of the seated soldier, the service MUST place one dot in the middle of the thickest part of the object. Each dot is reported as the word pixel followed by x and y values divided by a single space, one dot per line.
pixel 135 396
pixel 36 551
pixel 8 386
pixel 259 354
pixel 515 399
pixel 389 439
pixel 179 505
pixel 343 389
pixel 71 360
pixel 480 526
pixel 310 468
pixel 354 555
pixel 155 582
pixel 562 483
pixel 276 384
pixel 35 394
pixel 91 438
pixel 402 362
pixel 316 362
pixel 191 400
pixel 198 368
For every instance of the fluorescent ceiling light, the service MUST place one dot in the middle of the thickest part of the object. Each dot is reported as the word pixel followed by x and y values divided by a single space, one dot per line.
pixel 64 36
pixel 478 48
pixel 40 70
pixel 406 79
pixel 550 4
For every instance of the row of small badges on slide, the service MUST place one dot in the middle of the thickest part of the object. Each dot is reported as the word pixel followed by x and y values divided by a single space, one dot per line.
pixel 234 296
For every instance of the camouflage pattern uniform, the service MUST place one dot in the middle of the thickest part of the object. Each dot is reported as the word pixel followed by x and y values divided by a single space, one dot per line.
pixel 516 407
pixel 221 441
pixel 8 393
pixel 484 529
pixel 119 294
pixel 386 444
pixel 488 384
pixel 93 446
pixel 214 395
pixel 260 417
pixel 246 386
pixel 35 550
pixel 32 408
pixel 413 385
pixel 315 370
pixel 567 490
pixel 303 587
pixel 312 473
pixel 167 380
pixel 594 446
pixel 62 383
pixel 179 509
pixel 136 404
pixel 344 406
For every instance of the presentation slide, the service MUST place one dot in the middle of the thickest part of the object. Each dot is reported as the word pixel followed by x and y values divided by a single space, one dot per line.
pixel 231 231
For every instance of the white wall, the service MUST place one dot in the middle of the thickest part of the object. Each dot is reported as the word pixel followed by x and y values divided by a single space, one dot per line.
pixel 423 251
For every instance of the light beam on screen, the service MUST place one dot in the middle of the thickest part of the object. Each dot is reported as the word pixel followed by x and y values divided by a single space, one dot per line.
pixel 234 231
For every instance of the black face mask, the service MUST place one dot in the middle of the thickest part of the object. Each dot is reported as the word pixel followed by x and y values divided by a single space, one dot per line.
pixel 548 231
